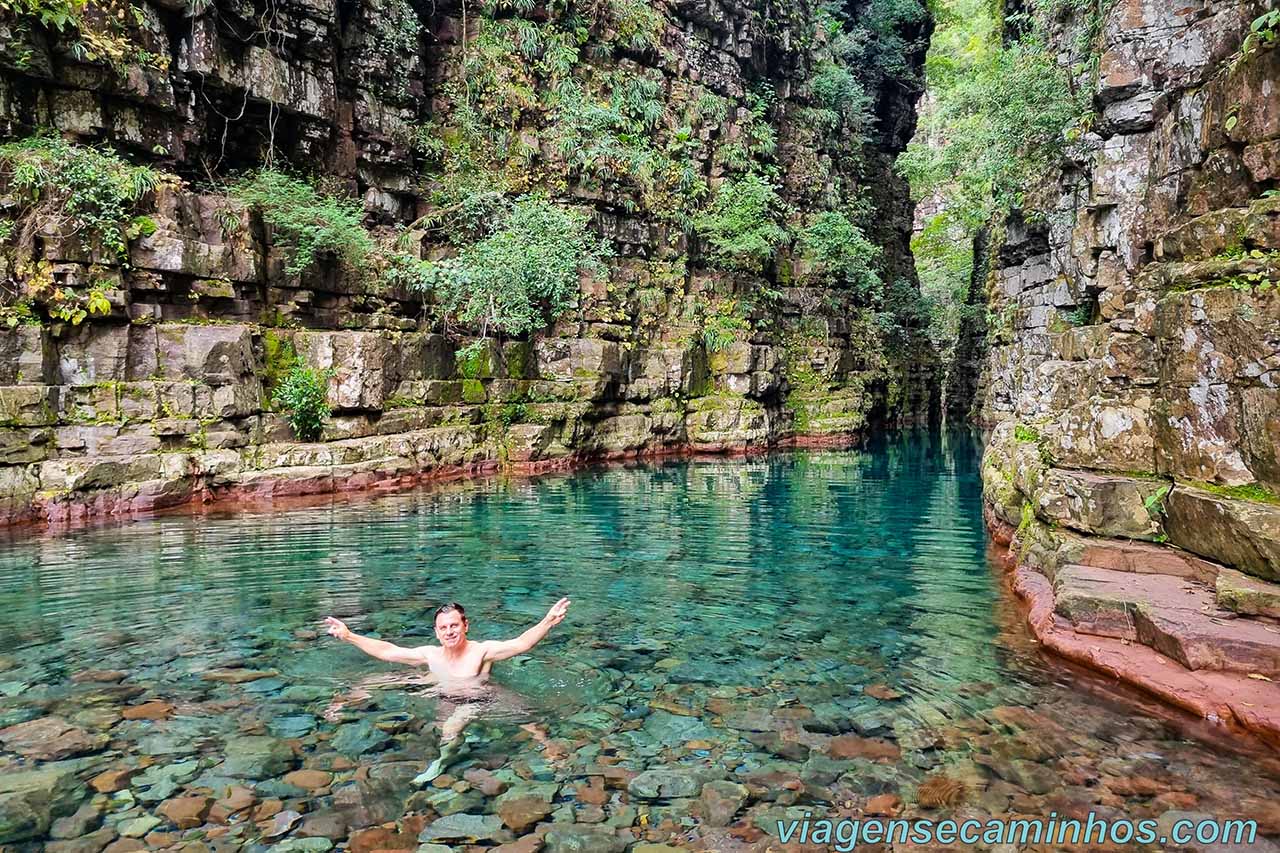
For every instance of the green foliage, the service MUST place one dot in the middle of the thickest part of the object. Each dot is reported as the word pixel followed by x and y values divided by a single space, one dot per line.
pixel 1002 124
pixel 56 15
pixel 743 227
pixel 1082 315
pixel 720 330
pixel 1022 432
pixel 396 29
pixel 82 191
pixel 1264 34
pixel 1154 502
pixel 280 357
pixel 20 313
pixel 310 223
pixel 840 253
pixel 943 252
pixel 996 125
pixel 303 394
pixel 637 23
pixel 306 222
pixel 1247 492
pixel 473 359
pixel 98 32
pixel 837 92
pixel 904 309
pixel 524 273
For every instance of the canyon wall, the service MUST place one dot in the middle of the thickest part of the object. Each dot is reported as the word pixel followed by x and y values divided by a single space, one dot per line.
pixel 1130 378
pixel 168 396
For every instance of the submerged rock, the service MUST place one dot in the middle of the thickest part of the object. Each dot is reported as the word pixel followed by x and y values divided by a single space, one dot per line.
pixel 356 739
pixel 50 739
pixel 464 827
pixel 664 783
pixel 257 757
pixel 30 800
pixel 576 838
pixel 721 801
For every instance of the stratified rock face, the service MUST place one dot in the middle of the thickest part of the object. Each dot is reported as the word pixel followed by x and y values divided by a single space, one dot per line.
pixel 1133 364
pixel 168 397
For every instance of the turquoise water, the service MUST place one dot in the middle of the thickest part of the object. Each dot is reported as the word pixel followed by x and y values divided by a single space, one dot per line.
pixel 729 619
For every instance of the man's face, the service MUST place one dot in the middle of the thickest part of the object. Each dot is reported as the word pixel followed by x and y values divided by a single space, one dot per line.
pixel 451 629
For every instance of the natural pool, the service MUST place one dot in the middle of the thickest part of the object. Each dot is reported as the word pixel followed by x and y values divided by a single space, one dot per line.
pixel 810 631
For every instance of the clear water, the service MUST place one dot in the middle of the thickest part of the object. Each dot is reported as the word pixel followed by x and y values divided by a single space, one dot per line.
pixel 806 594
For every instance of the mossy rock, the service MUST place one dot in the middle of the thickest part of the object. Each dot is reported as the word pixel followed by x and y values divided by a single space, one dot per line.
pixel 473 391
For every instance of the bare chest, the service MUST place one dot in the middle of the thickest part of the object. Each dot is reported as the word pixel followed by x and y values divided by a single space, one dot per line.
pixel 467 665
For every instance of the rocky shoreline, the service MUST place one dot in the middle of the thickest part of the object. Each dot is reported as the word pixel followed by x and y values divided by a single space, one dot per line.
pixel 1239 702
pixel 378 476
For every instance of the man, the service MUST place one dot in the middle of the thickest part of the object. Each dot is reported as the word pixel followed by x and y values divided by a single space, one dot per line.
pixel 460 666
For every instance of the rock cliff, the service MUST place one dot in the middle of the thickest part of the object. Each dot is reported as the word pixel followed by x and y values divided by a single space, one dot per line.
pixel 1131 366
pixel 166 397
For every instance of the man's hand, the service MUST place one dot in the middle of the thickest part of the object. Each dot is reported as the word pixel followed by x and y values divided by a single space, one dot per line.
pixel 556 614
pixel 337 628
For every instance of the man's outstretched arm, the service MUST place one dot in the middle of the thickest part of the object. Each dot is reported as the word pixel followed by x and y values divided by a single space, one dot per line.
pixel 380 649
pixel 503 649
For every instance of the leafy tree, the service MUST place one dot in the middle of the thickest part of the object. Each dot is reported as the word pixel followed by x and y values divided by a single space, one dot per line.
pixel 1000 123
pixel 996 124
pixel 840 253
pixel 742 226
pixel 524 273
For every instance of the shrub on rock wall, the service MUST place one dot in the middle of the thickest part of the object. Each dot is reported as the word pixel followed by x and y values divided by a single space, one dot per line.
pixel 523 274
pixel 82 194
pixel 310 223
pixel 75 191
pixel 303 394
pixel 840 254
pixel 97 32
pixel 743 226
pixel 306 222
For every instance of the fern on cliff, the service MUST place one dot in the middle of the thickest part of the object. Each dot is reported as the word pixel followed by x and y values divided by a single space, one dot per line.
pixel 743 227
pixel 305 222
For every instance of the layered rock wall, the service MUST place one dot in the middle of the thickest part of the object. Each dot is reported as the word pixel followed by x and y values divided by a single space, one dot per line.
pixel 168 397
pixel 1132 374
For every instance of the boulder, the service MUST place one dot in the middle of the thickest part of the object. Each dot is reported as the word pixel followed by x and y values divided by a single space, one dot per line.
pixel 362 363
pixel 214 355
pixel 665 783
pixel 1100 504
pixel 520 813
pixel 1242 594
pixel 468 828
pixel 721 801
pixel 579 838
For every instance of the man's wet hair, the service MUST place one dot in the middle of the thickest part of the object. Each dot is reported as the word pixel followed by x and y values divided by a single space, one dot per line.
pixel 451 607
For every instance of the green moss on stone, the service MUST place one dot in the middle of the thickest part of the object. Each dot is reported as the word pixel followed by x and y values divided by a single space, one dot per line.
pixel 1249 492
pixel 279 357
pixel 473 391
